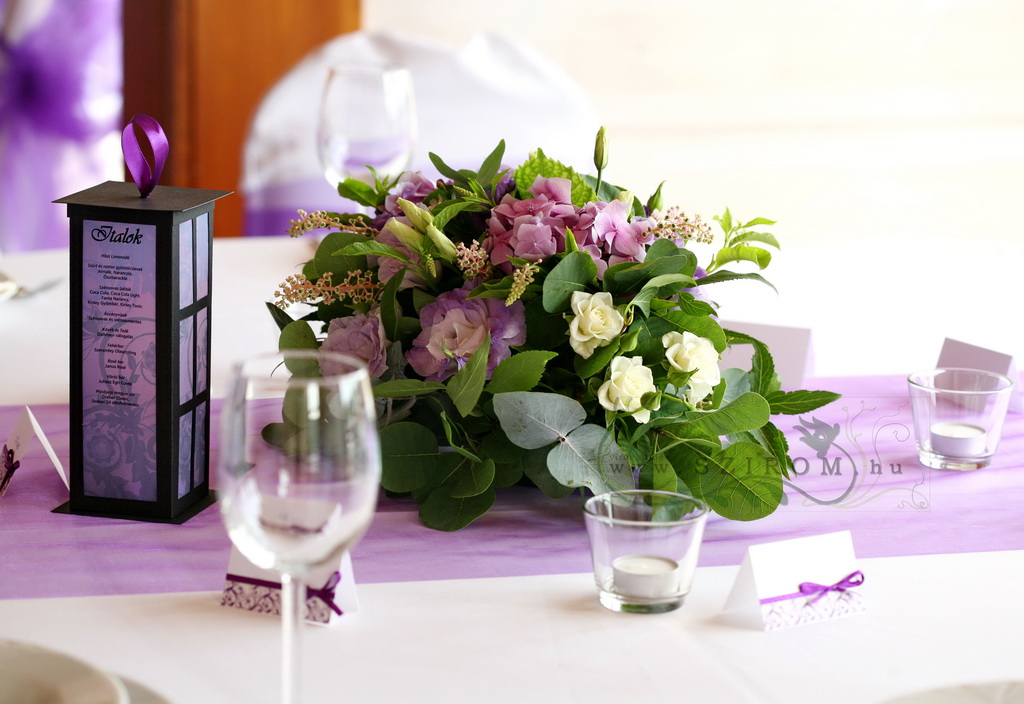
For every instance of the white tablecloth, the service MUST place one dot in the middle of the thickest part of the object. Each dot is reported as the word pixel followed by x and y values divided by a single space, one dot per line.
pixel 933 621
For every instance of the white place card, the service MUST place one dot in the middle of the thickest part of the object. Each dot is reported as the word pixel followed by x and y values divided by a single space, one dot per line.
pixel 17 442
pixel 960 354
pixel 330 590
pixel 799 581
pixel 791 349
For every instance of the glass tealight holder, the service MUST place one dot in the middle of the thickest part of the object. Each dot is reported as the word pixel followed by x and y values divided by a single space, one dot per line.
pixel 644 545
pixel 958 416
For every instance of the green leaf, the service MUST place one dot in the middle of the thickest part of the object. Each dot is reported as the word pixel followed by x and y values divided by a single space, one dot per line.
pixel 541 165
pixel 720 276
pixel 572 274
pixel 404 388
pixel 654 287
pixel 465 387
pixel 358 191
pixel 297 335
pixel 741 253
pixel 442 511
pixel 755 222
pixel 627 279
pixel 475 481
pixel 373 248
pixel 596 362
pixel 390 311
pixel 533 420
pixel 535 467
pixel 282 319
pixel 700 325
pixel 450 210
pixel 520 372
pixel 446 170
pixel 763 379
pixel 589 456
pixel 742 482
pixel 802 401
pixel 773 440
pixel 765 237
pixel 489 169
pixel 747 412
pixel 408 456
pixel 327 257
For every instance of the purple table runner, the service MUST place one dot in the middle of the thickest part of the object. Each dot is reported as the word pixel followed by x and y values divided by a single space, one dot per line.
pixel 856 459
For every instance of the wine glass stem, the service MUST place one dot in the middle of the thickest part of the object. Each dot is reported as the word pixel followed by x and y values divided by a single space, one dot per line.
pixel 292 614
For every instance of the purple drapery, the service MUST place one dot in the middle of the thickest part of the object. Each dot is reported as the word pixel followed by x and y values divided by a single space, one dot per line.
pixel 60 95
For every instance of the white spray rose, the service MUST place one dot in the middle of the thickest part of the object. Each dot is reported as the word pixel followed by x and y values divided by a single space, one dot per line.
pixel 691 353
pixel 595 324
pixel 625 388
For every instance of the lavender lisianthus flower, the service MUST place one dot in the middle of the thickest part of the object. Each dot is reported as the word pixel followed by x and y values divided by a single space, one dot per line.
pixel 411 186
pixel 455 326
pixel 360 336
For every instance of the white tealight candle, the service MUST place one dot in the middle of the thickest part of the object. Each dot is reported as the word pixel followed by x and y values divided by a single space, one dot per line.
pixel 955 439
pixel 645 576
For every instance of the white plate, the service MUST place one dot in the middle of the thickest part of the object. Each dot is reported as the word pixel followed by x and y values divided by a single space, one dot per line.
pixel 989 693
pixel 30 674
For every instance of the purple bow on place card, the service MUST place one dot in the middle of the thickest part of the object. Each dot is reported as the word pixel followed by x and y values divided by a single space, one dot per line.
pixel 810 589
pixel 325 593
pixel 143 173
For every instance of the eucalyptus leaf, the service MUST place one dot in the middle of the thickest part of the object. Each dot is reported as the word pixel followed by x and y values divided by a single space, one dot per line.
pixel 281 318
pixel 589 456
pixel 474 480
pixel 533 420
pixel 408 456
pixel 297 335
pixel 442 511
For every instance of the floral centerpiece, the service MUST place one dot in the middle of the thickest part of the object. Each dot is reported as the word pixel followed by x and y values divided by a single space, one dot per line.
pixel 540 325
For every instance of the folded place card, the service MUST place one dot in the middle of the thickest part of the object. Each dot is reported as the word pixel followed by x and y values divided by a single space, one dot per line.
pixel 798 581
pixel 17 442
pixel 791 350
pixel 960 354
pixel 330 590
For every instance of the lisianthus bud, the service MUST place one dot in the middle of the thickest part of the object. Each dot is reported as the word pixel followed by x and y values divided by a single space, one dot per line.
pixel 626 197
pixel 405 234
pixel 418 217
pixel 445 247
pixel 601 150
pixel 656 202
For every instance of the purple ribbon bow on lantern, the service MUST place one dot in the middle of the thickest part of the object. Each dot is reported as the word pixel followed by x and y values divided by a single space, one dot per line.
pixel 143 173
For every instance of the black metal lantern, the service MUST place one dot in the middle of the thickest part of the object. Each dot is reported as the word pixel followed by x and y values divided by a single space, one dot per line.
pixel 140 351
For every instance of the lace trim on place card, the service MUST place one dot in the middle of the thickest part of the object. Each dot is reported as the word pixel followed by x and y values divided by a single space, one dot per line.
pixel 266 599
pixel 796 612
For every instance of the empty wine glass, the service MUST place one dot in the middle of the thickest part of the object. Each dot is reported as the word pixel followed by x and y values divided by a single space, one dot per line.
pixel 298 471
pixel 367 118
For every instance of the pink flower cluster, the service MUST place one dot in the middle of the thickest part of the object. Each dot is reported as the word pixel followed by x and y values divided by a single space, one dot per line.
pixel 534 228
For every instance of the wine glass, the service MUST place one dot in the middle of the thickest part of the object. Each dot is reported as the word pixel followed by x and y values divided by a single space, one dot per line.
pixel 367 118
pixel 298 471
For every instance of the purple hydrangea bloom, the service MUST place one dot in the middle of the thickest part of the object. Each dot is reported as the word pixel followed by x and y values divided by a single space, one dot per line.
pixel 455 326
pixel 532 228
pixel 360 336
